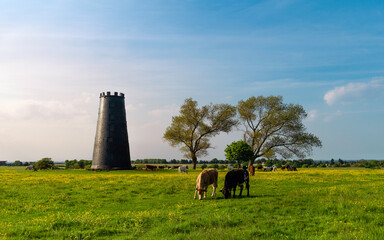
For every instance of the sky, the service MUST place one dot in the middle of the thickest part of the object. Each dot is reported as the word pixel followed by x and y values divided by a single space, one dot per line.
pixel 57 56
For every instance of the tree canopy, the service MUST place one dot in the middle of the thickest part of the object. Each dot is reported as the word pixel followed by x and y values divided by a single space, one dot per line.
pixel 239 151
pixel 274 128
pixel 194 126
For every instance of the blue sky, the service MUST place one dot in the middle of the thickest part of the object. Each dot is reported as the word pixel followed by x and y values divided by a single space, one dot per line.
pixel 57 56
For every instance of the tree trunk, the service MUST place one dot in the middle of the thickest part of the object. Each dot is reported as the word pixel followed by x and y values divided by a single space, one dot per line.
pixel 194 160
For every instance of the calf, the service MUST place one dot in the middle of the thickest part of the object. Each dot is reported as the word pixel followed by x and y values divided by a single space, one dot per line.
pixel 206 178
pixel 233 179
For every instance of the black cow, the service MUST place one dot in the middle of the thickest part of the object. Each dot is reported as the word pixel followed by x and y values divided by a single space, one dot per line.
pixel 233 179
pixel 291 168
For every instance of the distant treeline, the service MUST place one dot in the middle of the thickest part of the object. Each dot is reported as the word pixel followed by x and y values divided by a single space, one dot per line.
pixel 301 163
pixel 305 163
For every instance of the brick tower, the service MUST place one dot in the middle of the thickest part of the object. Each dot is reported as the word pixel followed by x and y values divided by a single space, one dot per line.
pixel 111 149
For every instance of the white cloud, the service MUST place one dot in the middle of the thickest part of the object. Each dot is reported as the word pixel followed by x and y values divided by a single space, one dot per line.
pixel 353 91
pixel 40 109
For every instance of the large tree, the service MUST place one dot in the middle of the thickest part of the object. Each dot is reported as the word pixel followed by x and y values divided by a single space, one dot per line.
pixel 193 128
pixel 275 128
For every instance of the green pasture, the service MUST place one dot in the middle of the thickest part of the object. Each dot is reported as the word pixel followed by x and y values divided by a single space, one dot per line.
pixel 78 204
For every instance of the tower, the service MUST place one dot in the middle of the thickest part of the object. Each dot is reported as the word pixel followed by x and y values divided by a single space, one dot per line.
pixel 111 148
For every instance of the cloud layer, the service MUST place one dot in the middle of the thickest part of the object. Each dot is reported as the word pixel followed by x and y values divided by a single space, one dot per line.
pixel 353 91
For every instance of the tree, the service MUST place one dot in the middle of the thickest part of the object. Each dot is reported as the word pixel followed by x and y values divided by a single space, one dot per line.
pixel 17 163
pixel 44 163
pixel 274 128
pixel 239 151
pixel 193 128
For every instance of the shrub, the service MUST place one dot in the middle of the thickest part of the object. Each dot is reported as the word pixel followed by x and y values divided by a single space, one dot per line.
pixel 45 163
pixel 304 166
pixel 203 166
pixel 213 166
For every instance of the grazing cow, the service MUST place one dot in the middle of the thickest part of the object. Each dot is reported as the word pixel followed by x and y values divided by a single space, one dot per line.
pixel 282 167
pixel 291 168
pixel 259 167
pixel 206 178
pixel 267 169
pixel 229 168
pixel 252 170
pixel 31 167
pixel 183 169
pixel 150 167
pixel 233 179
pixel 160 167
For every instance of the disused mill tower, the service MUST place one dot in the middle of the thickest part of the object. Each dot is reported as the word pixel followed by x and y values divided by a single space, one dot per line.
pixel 111 149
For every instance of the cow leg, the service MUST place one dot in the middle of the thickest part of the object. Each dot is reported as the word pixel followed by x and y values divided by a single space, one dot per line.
pixel 205 193
pixel 234 191
pixel 214 185
pixel 247 186
pixel 195 194
pixel 241 190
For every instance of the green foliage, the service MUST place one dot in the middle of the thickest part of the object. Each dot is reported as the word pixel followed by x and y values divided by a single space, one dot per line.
pixel 193 127
pixel 74 164
pixel 17 163
pixel 239 151
pixel 213 166
pixel 204 166
pixel 45 163
pixel 151 161
pixel 275 128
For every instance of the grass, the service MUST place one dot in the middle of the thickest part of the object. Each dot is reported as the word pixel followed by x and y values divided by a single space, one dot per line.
pixel 77 204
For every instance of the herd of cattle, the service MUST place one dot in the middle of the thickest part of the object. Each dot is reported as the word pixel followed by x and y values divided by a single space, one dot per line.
pixel 234 178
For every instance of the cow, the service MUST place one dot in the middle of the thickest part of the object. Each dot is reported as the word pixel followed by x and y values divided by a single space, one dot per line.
pixel 274 168
pixel 282 167
pixel 150 167
pixel 233 179
pixel 259 167
pixel 206 178
pixel 31 167
pixel 267 169
pixel 183 169
pixel 291 168
pixel 252 170
pixel 229 167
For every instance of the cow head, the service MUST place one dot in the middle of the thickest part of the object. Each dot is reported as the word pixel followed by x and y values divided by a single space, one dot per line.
pixel 226 192
pixel 201 192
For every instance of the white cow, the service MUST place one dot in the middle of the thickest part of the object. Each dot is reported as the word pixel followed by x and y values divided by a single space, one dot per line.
pixel 183 169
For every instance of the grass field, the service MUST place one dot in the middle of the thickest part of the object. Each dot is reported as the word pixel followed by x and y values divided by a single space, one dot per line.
pixel 77 204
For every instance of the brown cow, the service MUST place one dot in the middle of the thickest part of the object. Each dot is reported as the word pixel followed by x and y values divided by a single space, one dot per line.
pixel 150 167
pixel 206 178
pixel 252 170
